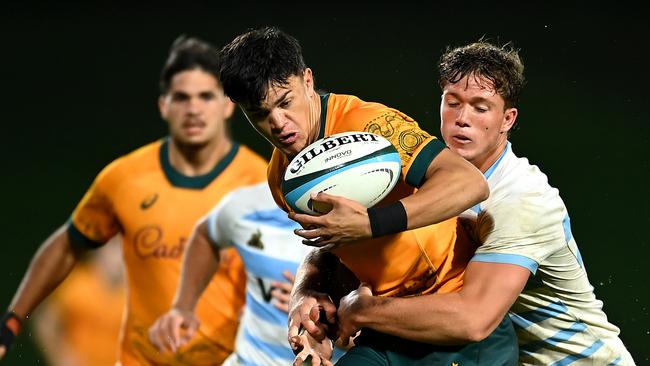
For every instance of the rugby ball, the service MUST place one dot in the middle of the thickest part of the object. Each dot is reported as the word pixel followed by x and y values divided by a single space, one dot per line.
pixel 357 165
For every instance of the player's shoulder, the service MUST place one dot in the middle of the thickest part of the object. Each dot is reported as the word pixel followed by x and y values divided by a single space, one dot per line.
pixel 137 160
pixel 521 186
pixel 246 152
pixel 353 113
pixel 244 200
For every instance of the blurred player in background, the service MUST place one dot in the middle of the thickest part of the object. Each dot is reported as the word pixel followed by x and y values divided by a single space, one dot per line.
pixel 153 197
pixel 249 220
pixel 528 260
pixel 79 324
pixel 410 245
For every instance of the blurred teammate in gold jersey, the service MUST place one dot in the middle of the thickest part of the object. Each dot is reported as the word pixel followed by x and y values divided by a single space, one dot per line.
pixel 153 197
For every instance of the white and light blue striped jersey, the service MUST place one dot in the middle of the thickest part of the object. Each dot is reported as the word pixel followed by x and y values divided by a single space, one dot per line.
pixel 249 220
pixel 524 222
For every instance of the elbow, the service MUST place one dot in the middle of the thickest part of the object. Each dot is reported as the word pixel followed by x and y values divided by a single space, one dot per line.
pixel 478 330
pixel 483 189
pixel 478 187
pixel 475 333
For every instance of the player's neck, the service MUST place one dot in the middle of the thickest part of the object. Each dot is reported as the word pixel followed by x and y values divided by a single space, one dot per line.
pixel 315 116
pixel 195 160
pixel 486 163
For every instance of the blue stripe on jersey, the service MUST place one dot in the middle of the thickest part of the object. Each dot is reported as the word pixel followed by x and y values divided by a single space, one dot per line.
pixel 274 217
pixel 616 361
pixel 274 350
pixel 266 311
pixel 491 170
pixel 584 354
pixel 552 310
pixel 559 337
pixel 476 208
pixel 566 224
pixel 265 266
pixel 516 259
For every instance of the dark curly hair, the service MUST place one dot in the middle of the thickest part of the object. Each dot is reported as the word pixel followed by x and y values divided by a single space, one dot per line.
pixel 189 53
pixel 500 65
pixel 257 59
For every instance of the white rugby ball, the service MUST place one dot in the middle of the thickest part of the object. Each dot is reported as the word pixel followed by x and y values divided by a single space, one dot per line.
pixel 357 165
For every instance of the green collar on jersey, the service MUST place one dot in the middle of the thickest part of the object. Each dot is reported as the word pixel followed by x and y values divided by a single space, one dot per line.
pixel 324 98
pixel 200 181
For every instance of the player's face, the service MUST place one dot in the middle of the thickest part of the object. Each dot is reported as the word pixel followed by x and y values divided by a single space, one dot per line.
pixel 474 120
pixel 289 115
pixel 195 108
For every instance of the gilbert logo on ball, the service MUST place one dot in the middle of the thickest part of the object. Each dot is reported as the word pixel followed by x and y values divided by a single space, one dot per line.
pixel 360 166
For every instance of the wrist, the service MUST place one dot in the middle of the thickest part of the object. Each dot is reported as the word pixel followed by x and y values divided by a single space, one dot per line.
pixel 387 220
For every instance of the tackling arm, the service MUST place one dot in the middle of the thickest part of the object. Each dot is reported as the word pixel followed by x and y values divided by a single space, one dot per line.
pixel 469 315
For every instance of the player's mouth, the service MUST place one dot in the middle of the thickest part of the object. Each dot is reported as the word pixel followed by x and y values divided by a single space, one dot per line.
pixel 193 127
pixel 461 139
pixel 287 139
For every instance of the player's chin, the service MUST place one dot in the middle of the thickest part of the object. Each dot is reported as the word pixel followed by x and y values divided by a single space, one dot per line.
pixel 193 140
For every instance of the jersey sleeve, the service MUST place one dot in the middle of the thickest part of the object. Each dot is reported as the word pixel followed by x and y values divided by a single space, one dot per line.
pixel 217 230
pixel 522 230
pixel 417 148
pixel 94 222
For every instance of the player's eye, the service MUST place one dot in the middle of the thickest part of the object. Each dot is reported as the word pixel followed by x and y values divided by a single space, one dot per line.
pixel 481 109
pixel 206 96
pixel 257 114
pixel 285 103
pixel 453 104
pixel 180 97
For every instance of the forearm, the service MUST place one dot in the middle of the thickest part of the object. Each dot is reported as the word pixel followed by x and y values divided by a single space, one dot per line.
pixel 309 276
pixel 437 319
pixel 469 315
pixel 448 190
pixel 49 267
pixel 201 261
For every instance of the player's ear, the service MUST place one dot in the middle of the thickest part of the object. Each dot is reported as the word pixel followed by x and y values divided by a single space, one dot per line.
pixel 162 106
pixel 228 108
pixel 308 79
pixel 509 118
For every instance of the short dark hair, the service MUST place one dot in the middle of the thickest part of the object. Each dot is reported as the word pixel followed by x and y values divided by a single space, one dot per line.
pixel 257 59
pixel 189 53
pixel 500 65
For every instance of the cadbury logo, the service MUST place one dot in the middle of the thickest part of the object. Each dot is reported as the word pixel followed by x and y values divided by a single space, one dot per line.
pixel 148 243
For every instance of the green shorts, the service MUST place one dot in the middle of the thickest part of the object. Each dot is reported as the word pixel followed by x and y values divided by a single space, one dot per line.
pixel 378 349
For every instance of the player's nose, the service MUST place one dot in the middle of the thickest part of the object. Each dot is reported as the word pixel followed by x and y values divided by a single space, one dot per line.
pixel 277 120
pixel 462 117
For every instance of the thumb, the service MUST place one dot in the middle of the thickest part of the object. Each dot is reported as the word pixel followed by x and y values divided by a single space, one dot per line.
pixel 2 351
pixel 365 289
pixel 323 197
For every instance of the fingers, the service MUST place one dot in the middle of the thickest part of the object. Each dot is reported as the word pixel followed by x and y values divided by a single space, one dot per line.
pixel 281 299
pixel 2 352
pixel 305 220
pixel 302 359
pixel 190 326
pixel 172 331
pixel 290 277
pixel 325 242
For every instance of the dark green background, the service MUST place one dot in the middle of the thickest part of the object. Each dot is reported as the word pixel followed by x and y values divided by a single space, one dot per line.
pixel 79 88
